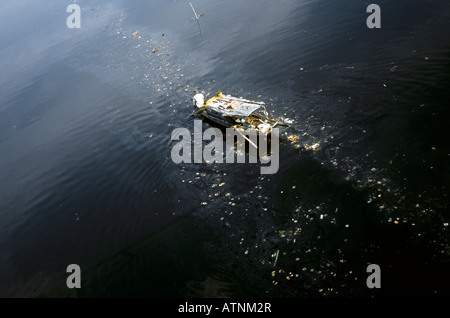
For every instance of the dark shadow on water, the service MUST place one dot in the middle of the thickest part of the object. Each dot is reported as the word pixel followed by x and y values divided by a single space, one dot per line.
pixel 174 261
pixel 340 235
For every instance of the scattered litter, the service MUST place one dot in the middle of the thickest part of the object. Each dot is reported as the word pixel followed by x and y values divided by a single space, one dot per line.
pixel 293 138
pixel 276 259
pixel 313 147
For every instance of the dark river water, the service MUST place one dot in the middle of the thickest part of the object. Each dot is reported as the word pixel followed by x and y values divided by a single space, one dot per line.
pixel 87 178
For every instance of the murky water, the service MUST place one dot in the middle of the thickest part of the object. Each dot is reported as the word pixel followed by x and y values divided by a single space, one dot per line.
pixel 86 117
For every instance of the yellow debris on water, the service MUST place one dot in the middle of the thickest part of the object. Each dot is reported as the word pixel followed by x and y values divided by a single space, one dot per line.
pixel 293 138
pixel 313 147
pixel 135 33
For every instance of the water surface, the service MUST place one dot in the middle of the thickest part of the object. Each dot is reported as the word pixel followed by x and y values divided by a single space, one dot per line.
pixel 86 175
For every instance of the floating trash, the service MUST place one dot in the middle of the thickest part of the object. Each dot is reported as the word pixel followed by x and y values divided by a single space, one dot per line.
pixel 293 138
pixel 288 121
pixel 313 147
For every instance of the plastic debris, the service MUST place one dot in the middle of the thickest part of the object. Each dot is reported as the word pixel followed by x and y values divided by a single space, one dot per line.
pixel 293 138
pixel 313 147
